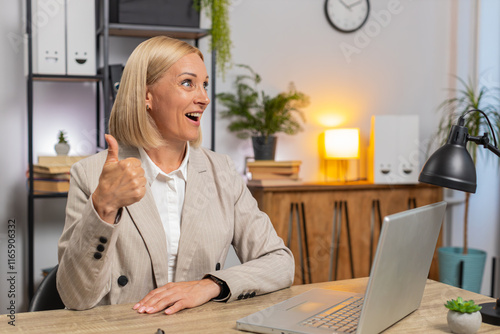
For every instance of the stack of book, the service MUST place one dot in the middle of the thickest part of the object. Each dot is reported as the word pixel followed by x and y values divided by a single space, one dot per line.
pixel 51 173
pixel 270 172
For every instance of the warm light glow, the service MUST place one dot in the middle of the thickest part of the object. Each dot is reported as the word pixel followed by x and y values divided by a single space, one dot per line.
pixel 342 144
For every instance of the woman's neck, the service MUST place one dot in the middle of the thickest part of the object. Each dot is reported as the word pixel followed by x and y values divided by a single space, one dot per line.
pixel 168 157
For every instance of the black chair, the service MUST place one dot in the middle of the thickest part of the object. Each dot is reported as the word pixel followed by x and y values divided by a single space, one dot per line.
pixel 47 297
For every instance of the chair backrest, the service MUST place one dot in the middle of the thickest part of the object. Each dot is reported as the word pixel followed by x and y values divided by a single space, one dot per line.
pixel 47 297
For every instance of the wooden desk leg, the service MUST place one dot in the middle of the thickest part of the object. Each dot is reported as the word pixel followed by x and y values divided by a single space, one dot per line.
pixel 302 241
pixel 301 252
pixel 412 203
pixel 333 243
pixel 336 232
pixel 306 242
pixel 348 230
pixel 375 208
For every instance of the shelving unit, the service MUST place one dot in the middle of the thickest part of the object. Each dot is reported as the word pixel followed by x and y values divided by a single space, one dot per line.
pixel 102 80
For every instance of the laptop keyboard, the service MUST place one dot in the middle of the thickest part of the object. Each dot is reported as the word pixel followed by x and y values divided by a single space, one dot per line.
pixel 342 317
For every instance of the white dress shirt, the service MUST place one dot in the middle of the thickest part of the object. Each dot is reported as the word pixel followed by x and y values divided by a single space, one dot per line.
pixel 168 192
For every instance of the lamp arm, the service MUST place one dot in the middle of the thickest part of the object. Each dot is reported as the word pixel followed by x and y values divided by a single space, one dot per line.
pixel 485 141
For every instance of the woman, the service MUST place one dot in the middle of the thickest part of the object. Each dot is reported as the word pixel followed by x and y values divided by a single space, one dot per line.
pixel 150 220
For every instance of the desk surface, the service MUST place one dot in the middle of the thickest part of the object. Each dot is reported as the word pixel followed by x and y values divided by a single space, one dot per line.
pixel 221 317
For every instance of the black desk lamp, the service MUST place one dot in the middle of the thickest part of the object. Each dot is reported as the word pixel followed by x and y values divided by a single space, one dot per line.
pixel 451 166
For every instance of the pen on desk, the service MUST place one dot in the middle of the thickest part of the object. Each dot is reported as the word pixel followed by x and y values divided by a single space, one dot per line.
pixel 160 331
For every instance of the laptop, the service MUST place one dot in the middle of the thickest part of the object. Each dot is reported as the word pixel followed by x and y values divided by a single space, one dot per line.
pixel 395 287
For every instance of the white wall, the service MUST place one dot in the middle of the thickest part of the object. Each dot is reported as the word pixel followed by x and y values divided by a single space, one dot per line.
pixel 402 66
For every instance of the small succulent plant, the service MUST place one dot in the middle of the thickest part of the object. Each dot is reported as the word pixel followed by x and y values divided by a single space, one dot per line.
pixel 62 137
pixel 462 306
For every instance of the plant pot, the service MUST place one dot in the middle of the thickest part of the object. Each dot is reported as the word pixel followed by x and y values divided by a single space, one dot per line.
pixel 61 148
pixel 464 323
pixel 264 148
pixel 450 259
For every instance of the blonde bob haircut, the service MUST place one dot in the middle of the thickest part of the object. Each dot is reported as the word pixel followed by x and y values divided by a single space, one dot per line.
pixel 129 121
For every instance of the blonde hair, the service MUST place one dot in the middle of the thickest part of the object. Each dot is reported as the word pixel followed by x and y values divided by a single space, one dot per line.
pixel 129 121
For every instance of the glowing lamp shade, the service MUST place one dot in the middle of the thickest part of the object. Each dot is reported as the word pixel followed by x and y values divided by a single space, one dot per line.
pixel 342 144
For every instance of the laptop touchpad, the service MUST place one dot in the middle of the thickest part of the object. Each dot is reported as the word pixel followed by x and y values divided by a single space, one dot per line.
pixel 306 307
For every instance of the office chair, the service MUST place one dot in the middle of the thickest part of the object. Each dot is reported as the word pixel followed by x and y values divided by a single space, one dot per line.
pixel 47 297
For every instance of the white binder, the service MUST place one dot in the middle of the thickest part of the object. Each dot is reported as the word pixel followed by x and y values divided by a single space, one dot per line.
pixel 49 40
pixel 393 154
pixel 81 37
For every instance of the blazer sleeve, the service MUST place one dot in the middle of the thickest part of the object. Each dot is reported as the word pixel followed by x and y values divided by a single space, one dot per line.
pixel 267 264
pixel 84 274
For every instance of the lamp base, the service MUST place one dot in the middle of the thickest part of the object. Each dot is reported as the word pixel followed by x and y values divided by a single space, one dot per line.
pixel 491 313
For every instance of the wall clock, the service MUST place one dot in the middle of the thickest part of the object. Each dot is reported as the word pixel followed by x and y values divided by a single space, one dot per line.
pixel 347 15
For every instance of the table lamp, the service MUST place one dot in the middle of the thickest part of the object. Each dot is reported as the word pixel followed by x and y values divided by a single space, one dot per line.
pixel 451 166
pixel 340 145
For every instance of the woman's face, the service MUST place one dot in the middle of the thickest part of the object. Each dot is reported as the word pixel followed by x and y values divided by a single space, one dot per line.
pixel 178 100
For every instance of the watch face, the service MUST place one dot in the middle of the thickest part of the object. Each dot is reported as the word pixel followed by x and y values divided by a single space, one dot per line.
pixel 347 15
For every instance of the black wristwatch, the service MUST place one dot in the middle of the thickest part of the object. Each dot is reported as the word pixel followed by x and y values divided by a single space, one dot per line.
pixel 224 289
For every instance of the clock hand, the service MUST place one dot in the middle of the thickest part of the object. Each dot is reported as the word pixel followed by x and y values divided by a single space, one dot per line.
pixel 345 5
pixel 354 4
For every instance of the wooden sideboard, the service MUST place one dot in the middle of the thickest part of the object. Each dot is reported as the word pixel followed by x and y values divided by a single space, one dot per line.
pixel 318 202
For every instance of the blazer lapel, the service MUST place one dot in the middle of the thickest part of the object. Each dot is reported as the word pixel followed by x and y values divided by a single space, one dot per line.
pixel 146 218
pixel 199 189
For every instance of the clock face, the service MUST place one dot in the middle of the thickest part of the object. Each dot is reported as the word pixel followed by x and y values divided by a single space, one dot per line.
pixel 347 15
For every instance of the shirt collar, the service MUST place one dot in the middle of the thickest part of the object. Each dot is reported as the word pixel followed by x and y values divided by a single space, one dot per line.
pixel 151 170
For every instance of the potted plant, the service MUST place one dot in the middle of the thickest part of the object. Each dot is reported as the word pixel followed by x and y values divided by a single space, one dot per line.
pixel 218 12
pixel 62 147
pixel 462 262
pixel 255 114
pixel 463 316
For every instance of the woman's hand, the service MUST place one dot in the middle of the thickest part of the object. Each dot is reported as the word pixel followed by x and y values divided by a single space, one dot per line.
pixel 121 183
pixel 178 296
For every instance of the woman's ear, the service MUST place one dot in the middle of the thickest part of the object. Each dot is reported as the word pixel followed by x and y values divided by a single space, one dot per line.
pixel 149 100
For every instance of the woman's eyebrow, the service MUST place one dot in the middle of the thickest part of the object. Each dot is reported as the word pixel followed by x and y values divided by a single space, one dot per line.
pixel 189 73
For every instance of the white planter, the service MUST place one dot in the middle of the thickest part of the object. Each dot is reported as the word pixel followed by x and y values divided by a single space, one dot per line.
pixel 464 323
pixel 61 148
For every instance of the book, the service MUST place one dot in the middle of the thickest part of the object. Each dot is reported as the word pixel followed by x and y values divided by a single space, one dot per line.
pixel 272 183
pixel 275 170
pixel 56 164
pixel 269 170
pixel 59 159
pixel 273 163
pixel 51 169
pixel 50 186
pixel 276 176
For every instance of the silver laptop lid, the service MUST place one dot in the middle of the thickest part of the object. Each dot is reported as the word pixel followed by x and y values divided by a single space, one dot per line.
pixel 401 266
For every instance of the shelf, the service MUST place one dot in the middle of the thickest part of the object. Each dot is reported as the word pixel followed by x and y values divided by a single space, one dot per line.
pixel 138 30
pixel 67 78
pixel 51 195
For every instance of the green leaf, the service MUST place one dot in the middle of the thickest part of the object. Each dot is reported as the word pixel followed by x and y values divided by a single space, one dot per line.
pixel 253 112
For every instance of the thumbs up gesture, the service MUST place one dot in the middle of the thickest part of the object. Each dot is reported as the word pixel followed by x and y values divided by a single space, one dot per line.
pixel 121 183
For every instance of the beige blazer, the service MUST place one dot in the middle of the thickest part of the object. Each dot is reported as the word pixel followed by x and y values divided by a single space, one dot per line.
pixel 100 263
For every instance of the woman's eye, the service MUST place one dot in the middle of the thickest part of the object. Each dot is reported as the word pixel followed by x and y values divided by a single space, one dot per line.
pixel 187 83
pixel 205 85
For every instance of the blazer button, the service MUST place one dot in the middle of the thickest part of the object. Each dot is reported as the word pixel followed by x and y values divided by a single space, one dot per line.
pixel 103 240
pixel 246 295
pixel 100 248
pixel 97 255
pixel 240 297
pixel 252 294
pixel 122 280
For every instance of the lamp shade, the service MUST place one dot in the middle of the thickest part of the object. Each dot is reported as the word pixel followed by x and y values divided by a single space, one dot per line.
pixel 451 166
pixel 342 143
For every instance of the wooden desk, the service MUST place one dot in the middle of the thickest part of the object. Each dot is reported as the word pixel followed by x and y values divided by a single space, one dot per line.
pixel 219 318
pixel 318 199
